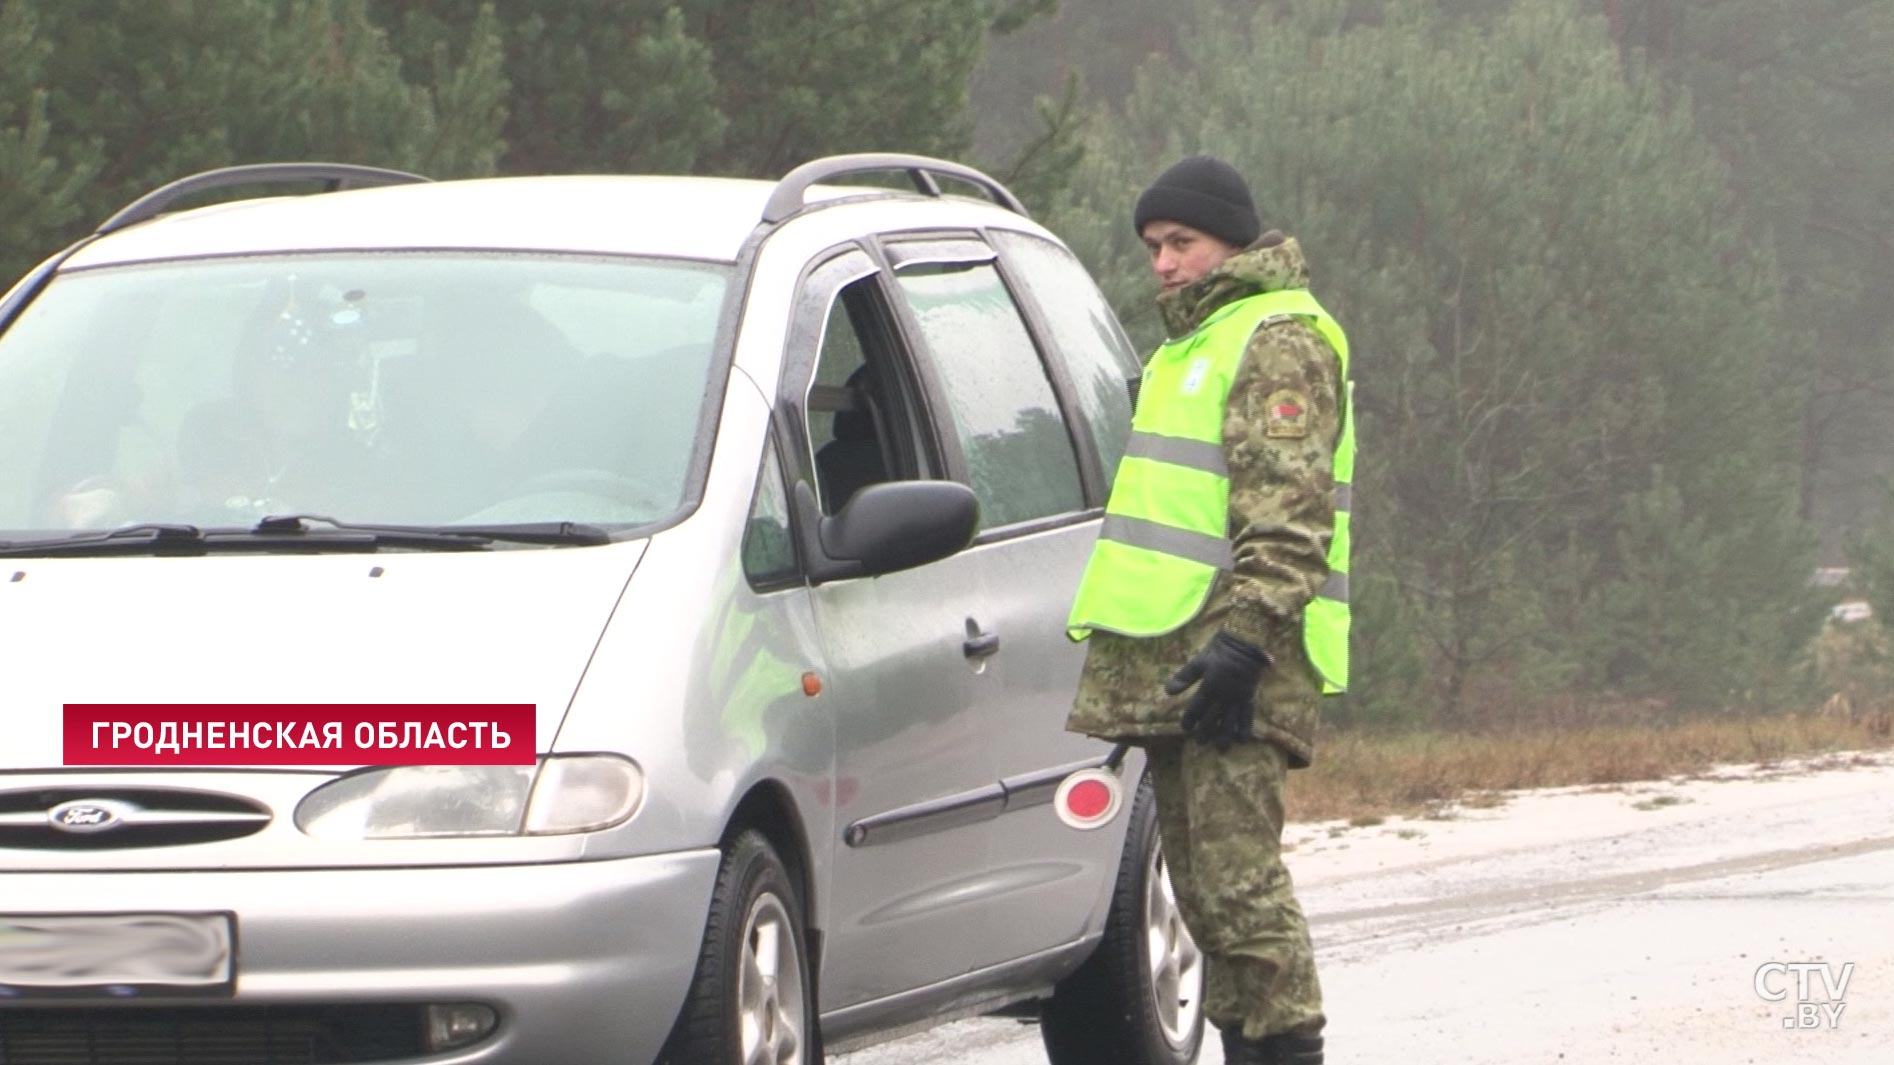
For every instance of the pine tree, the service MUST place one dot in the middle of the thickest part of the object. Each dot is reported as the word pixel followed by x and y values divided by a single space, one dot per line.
pixel 739 87
pixel 41 177
pixel 186 85
pixel 596 86
pixel 1800 99
pixel 1872 554
pixel 802 80
pixel 1561 338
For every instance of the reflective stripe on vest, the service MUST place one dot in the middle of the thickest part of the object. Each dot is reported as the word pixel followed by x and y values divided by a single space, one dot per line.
pixel 1165 536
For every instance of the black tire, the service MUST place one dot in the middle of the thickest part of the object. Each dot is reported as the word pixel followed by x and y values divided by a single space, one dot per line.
pixel 754 900
pixel 1108 1011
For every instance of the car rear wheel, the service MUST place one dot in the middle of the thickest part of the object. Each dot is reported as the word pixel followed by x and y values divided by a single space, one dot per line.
pixel 1139 999
pixel 750 1001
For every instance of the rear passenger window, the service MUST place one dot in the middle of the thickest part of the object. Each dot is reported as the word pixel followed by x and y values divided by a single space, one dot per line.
pixel 1097 355
pixel 1019 452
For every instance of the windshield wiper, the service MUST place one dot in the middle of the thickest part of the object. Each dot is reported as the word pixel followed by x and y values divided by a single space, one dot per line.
pixel 131 539
pixel 542 532
pixel 300 532
pixel 161 539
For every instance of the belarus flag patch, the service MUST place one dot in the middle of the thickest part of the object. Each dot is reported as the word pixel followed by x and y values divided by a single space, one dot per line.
pixel 1286 415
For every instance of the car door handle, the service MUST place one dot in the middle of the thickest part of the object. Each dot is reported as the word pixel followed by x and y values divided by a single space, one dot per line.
pixel 982 646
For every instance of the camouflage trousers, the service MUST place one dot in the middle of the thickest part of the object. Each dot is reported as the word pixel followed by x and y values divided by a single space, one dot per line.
pixel 1220 818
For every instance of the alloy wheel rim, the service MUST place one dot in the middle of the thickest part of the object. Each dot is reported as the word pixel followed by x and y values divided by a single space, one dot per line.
pixel 770 1012
pixel 1174 964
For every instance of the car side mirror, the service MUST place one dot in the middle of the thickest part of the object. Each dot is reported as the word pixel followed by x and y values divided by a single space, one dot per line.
pixel 888 527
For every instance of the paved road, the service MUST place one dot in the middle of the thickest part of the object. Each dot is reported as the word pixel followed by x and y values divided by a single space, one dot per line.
pixel 1579 926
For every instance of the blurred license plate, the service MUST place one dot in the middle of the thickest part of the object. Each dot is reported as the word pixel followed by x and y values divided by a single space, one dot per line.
pixel 117 954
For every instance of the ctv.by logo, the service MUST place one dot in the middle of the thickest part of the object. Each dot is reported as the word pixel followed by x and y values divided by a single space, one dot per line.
pixel 1775 979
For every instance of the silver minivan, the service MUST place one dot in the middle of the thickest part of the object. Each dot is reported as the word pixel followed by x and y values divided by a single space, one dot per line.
pixel 768 498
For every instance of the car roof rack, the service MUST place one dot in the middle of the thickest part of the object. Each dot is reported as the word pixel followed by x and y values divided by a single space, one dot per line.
pixel 334 176
pixel 792 191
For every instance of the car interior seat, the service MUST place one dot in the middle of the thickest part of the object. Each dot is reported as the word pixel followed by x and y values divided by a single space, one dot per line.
pixel 853 460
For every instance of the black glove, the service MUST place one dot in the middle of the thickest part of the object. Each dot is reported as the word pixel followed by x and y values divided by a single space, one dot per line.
pixel 1226 673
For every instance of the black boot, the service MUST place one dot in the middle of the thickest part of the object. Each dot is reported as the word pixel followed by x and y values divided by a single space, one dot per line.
pixel 1280 1049
pixel 1286 1049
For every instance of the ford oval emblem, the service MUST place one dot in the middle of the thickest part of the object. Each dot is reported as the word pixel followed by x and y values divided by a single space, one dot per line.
pixel 84 816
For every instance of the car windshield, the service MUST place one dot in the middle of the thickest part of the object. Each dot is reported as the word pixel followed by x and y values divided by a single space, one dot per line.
pixel 430 389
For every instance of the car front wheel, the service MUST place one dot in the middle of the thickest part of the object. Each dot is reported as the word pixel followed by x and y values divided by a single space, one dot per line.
pixel 750 1001
pixel 1139 999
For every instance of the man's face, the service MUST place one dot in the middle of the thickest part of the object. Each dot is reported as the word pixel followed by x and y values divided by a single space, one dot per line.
pixel 1180 254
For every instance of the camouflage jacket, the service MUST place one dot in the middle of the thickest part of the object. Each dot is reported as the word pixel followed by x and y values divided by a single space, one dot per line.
pixel 1282 517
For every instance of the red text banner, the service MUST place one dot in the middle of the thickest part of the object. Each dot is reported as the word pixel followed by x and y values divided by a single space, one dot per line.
pixel 156 734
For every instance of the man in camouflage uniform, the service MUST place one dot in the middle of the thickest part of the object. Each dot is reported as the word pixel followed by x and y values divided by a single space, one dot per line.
pixel 1227 703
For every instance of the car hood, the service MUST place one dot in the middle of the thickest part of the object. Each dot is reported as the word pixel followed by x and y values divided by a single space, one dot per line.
pixel 501 626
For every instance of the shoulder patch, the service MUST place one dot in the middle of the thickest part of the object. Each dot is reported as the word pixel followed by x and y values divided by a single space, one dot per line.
pixel 1286 415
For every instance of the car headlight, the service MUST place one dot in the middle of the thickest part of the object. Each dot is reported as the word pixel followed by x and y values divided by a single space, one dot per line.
pixel 562 794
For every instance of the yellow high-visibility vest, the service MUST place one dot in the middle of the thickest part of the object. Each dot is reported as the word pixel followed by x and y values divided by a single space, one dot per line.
pixel 1165 536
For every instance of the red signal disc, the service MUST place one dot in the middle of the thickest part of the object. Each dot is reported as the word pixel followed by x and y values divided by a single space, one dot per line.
pixel 1089 798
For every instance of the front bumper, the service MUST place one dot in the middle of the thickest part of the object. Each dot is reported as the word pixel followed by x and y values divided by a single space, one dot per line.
pixel 584 962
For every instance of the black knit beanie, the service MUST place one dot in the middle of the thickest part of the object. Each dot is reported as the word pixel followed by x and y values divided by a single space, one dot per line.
pixel 1203 193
